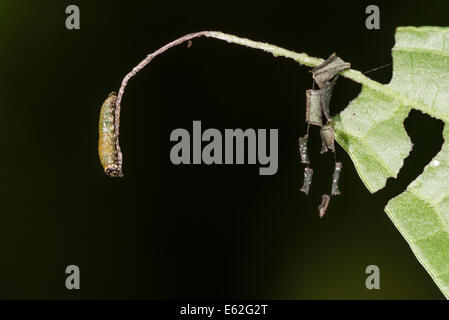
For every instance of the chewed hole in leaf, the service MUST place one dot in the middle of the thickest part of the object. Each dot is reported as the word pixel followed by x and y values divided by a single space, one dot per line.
pixel 342 97
pixel 426 135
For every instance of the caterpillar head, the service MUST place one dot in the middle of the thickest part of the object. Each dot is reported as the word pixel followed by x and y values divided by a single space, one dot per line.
pixel 113 170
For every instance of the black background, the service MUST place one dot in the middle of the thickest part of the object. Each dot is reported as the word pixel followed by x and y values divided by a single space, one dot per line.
pixel 165 231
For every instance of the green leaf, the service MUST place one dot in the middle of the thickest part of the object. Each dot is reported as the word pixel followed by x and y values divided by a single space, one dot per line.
pixel 371 130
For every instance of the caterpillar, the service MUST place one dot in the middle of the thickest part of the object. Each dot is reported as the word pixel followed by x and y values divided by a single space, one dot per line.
pixel 107 148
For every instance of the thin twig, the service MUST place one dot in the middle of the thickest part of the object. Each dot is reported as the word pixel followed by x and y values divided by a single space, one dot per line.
pixel 301 58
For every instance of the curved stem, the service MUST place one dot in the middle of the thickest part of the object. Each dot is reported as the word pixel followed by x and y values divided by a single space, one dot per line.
pixel 276 51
